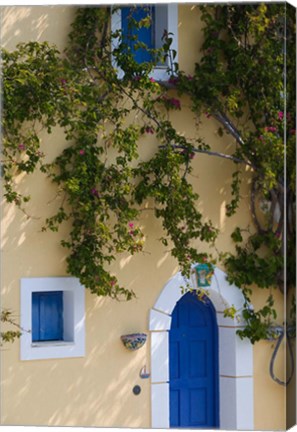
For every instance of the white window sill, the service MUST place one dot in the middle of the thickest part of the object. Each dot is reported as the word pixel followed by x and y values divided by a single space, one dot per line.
pixel 51 344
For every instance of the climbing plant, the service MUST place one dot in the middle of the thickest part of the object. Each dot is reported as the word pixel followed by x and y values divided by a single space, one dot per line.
pixel 102 183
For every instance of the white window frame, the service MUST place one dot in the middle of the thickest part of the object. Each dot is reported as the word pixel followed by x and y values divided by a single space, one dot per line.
pixel 73 343
pixel 169 14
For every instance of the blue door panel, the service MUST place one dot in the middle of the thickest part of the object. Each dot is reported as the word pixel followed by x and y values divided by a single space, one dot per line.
pixel 47 316
pixel 198 398
pixel 174 352
pixel 193 352
pixel 143 34
pixel 174 408
pixel 197 359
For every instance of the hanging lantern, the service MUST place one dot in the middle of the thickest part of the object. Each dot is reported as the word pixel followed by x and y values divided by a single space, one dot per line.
pixel 202 275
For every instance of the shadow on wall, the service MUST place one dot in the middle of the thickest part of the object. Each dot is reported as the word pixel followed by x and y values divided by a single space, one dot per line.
pixel 79 392
pixel 37 23
pixel 95 390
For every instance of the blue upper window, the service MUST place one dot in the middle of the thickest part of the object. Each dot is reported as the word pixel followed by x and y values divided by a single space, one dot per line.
pixel 153 21
pixel 47 316
pixel 144 16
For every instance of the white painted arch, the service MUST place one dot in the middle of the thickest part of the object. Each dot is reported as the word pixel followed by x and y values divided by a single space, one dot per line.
pixel 235 355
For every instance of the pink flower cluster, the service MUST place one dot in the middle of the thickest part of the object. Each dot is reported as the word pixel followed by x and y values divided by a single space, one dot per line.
pixel 173 80
pixel 149 130
pixel 81 152
pixel 280 115
pixel 95 192
pixel 22 146
pixel 271 129
pixel 191 154
pixel 172 101
pixel 131 226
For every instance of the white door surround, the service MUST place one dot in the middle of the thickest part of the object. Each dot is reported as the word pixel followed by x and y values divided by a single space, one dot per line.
pixel 235 355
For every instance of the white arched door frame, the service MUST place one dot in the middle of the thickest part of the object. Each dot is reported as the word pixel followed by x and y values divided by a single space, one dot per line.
pixel 235 355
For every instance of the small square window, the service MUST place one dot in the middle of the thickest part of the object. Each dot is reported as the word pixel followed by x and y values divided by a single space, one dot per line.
pixel 53 318
pixel 163 17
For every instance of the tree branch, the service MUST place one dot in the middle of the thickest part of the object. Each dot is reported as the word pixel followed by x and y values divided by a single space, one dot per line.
pixel 226 122
pixel 212 153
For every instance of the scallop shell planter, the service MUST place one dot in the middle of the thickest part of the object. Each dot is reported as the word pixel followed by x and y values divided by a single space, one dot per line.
pixel 134 341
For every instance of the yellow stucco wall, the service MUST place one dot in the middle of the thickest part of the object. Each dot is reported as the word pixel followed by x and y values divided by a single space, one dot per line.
pixel 97 390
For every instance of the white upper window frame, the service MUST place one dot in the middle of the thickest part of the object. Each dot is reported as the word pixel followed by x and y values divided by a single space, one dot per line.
pixel 73 343
pixel 168 19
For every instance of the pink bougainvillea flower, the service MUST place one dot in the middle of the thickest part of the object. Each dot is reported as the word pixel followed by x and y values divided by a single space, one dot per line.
pixel 175 103
pixel 280 115
pixel 112 282
pixel 95 192
pixel 171 101
pixel 149 130
pixel 208 115
pixel 152 80
pixel 261 138
pixel 63 81
pixel 272 129
pixel 82 152
pixel 22 146
pixel 132 233
pixel 192 155
pixel 131 224
pixel 137 77
pixel 173 80
pixel 204 259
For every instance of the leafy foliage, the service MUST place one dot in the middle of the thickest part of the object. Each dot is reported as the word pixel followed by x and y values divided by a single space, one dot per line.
pixel 6 318
pixel 103 183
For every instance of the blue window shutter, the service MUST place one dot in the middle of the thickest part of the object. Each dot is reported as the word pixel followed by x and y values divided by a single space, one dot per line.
pixel 144 34
pixel 47 316
pixel 35 317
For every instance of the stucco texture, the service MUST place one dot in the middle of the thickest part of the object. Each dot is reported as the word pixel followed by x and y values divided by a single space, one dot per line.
pixel 96 390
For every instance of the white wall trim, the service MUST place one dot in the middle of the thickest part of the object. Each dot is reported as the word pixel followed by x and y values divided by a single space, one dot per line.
pixel 73 344
pixel 235 355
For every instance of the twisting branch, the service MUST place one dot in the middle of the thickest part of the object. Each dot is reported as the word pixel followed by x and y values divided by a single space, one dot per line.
pixel 212 153
pixel 226 122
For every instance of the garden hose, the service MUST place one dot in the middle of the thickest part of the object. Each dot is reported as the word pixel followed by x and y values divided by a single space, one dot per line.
pixel 271 367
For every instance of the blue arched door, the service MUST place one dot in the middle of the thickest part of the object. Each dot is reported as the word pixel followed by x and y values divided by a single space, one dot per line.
pixel 194 375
